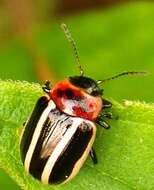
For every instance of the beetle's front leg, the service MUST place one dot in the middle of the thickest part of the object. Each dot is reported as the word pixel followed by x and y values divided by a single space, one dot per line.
pixel 47 86
pixel 100 119
pixel 107 115
pixel 102 123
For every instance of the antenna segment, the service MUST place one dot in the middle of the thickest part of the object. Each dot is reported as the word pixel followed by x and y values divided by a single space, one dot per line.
pixel 129 73
pixel 74 47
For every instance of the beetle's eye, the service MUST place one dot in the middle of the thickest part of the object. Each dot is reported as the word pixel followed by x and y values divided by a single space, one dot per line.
pixel 96 92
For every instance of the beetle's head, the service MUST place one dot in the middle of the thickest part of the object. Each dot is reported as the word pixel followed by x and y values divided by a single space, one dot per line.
pixel 87 84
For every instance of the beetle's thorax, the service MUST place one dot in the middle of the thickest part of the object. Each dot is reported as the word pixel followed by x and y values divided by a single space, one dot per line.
pixel 75 101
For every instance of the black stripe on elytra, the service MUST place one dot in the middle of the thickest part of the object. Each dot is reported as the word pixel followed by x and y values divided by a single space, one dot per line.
pixel 37 163
pixel 65 163
pixel 40 106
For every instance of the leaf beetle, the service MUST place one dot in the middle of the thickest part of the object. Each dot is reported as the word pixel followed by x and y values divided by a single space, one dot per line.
pixel 59 135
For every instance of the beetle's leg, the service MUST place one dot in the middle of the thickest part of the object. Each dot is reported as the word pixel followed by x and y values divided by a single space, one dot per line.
pixel 102 123
pixel 93 156
pixel 106 104
pixel 46 87
pixel 108 115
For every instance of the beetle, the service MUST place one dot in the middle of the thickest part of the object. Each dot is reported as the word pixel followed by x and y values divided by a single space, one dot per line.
pixel 59 135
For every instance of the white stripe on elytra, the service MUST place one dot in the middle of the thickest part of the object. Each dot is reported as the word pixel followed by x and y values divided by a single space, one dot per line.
pixel 37 133
pixel 58 150
pixel 85 154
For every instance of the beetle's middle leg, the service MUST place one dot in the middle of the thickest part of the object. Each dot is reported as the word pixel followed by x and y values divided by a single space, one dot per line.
pixel 93 156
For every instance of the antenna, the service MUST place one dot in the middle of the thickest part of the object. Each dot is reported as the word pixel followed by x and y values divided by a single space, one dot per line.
pixel 129 73
pixel 74 47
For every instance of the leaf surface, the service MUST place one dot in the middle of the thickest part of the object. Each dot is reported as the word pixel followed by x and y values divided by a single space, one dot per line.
pixel 125 152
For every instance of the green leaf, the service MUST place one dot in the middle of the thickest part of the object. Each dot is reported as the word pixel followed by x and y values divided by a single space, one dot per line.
pixel 125 152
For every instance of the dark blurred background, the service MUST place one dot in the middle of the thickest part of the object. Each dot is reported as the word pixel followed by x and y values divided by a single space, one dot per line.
pixel 112 36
